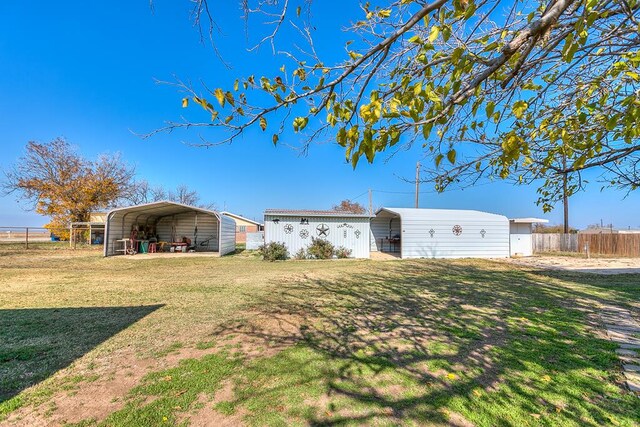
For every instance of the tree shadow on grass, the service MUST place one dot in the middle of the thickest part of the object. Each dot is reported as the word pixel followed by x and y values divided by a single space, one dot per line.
pixel 35 343
pixel 616 289
pixel 429 341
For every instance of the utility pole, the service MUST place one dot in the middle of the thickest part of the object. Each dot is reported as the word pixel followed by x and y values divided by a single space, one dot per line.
pixel 417 183
pixel 370 203
pixel 565 197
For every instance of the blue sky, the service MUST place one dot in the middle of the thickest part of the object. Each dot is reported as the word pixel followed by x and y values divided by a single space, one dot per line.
pixel 85 71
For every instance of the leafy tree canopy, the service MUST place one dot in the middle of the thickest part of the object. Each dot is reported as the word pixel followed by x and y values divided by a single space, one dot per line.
pixel 349 206
pixel 523 91
pixel 61 184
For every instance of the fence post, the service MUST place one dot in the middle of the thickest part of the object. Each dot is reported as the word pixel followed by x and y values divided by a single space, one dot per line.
pixel 27 239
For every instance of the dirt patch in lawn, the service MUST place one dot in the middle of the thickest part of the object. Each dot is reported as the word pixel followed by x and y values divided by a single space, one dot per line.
pixel 206 415
pixel 260 334
pixel 97 399
pixel 581 265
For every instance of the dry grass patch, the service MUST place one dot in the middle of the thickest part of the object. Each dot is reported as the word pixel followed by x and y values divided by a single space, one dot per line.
pixel 357 342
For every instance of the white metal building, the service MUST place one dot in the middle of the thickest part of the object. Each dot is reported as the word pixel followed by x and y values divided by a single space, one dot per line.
pixel 440 233
pixel 208 230
pixel 295 228
pixel 520 235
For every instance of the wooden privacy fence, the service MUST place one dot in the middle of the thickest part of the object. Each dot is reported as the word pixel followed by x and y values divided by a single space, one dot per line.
pixel 611 244
pixel 627 245
pixel 552 242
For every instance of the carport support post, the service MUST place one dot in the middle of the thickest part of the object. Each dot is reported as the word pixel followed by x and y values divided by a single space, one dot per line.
pixel 417 184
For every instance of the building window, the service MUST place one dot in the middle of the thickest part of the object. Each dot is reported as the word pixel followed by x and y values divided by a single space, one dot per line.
pixel 242 229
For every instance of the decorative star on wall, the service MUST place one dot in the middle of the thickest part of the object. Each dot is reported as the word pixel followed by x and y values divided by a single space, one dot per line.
pixel 457 230
pixel 288 228
pixel 322 230
pixel 304 234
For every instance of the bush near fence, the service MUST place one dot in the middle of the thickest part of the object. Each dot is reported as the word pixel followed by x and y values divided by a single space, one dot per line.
pixel 627 245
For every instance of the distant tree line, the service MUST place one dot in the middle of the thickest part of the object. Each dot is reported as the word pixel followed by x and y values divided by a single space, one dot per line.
pixel 552 229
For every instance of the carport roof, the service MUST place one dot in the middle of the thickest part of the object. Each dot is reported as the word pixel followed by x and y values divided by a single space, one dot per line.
pixel 528 220
pixel 410 213
pixel 161 208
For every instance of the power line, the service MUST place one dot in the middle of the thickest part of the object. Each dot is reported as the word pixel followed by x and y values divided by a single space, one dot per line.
pixel 357 197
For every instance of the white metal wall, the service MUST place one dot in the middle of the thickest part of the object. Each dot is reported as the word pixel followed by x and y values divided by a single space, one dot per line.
pixel 117 227
pixel 227 235
pixel 520 239
pixel 483 235
pixel 254 240
pixel 185 224
pixel 350 232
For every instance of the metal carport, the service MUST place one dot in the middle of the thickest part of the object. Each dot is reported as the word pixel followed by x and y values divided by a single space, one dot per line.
pixel 208 230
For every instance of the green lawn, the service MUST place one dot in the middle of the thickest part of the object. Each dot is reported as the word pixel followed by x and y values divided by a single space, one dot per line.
pixel 136 342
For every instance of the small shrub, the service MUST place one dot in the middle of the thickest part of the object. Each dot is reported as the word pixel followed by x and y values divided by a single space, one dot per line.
pixel 320 249
pixel 273 251
pixel 301 254
pixel 342 252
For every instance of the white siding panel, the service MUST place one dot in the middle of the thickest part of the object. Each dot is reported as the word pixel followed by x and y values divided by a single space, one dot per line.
pixel 207 233
pixel 417 242
pixel 521 242
pixel 175 227
pixel 227 235
pixel 119 227
pixel 352 233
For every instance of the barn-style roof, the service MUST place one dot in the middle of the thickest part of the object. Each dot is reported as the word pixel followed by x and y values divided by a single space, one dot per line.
pixel 232 215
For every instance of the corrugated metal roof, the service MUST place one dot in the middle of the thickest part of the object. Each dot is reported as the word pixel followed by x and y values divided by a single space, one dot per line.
pixel 439 213
pixel 161 208
pixel 313 212
pixel 528 220
pixel 227 213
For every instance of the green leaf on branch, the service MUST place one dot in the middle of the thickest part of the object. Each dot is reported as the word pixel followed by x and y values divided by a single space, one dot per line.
pixel 219 94
pixel 433 34
pixel 518 108
pixel 451 156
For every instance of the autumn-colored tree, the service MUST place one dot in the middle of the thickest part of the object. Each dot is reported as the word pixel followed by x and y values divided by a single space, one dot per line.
pixel 64 186
pixel 349 206
pixel 530 91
